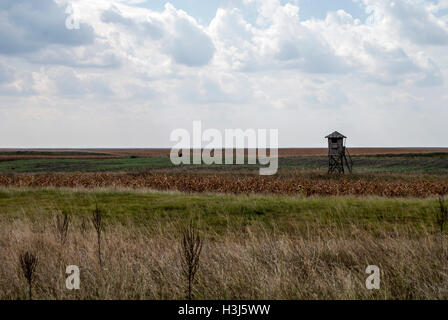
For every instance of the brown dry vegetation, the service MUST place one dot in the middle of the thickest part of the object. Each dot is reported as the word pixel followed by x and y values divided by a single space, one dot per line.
pixel 252 263
pixel 234 184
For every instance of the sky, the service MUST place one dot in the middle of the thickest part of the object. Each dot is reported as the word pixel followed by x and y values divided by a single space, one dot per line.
pixel 134 71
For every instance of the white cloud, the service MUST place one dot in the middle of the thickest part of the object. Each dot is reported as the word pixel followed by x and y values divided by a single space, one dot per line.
pixel 189 44
pixel 27 26
pixel 411 20
pixel 174 32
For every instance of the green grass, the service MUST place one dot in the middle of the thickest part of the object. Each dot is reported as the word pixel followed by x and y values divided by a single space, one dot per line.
pixel 83 165
pixel 414 163
pixel 218 213
pixel 422 163
pixel 50 153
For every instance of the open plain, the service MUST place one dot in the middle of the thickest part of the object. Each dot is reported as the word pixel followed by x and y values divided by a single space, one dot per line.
pixel 301 234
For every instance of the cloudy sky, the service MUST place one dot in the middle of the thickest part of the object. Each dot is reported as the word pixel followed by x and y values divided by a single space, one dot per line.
pixel 374 70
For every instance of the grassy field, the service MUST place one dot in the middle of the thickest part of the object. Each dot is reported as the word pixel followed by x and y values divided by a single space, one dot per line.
pixel 431 163
pixel 83 165
pixel 301 234
pixel 34 153
pixel 255 247
pixel 392 175
pixel 221 211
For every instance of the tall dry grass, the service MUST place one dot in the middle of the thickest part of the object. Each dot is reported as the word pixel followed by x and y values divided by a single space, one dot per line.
pixel 254 262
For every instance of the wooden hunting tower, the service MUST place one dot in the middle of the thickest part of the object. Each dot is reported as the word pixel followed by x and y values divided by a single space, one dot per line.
pixel 337 153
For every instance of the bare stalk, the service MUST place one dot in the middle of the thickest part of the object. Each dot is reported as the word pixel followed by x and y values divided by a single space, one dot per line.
pixel 97 223
pixel 191 247
pixel 442 214
pixel 83 225
pixel 28 262
pixel 62 223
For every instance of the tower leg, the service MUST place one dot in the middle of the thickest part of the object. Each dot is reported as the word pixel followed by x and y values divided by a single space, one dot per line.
pixel 335 163
pixel 348 164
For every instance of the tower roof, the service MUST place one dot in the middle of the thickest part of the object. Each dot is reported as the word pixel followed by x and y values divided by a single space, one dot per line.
pixel 335 135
